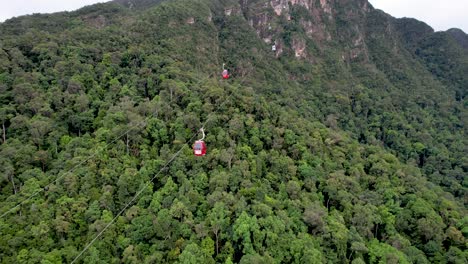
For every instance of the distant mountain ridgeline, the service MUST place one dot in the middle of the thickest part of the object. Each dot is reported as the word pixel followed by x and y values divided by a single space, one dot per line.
pixel 138 4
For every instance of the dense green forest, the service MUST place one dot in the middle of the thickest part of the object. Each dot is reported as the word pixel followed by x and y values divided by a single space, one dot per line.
pixel 347 144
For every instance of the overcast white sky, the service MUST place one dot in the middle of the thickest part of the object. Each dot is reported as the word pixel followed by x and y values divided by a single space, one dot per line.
pixel 12 8
pixel 439 14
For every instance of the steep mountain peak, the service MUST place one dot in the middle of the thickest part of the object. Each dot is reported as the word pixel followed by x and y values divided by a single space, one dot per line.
pixel 460 36
pixel 456 31
pixel 413 30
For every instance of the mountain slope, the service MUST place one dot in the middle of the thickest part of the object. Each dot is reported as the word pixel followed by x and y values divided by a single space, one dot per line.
pixel 345 145
pixel 460 36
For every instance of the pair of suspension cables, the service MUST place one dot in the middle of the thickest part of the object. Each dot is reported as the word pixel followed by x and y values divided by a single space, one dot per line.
pixel 134 198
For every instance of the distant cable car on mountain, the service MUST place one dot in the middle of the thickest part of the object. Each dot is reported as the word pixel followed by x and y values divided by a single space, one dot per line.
pixel 199 147
pixel 225 73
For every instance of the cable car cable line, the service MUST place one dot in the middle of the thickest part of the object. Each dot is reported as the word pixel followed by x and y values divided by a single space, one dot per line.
pixel 209 117
pixel 41 189
pixel 69 171
pixel 131 201
pixel 146 184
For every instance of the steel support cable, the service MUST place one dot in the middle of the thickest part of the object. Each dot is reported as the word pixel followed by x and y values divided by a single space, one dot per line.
pixel 38 191
pixel 144 187
pixel 129 203
pixel 69 171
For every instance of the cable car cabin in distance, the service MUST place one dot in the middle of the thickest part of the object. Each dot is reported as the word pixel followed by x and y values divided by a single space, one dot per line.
pixel 199 148
pixel 225 74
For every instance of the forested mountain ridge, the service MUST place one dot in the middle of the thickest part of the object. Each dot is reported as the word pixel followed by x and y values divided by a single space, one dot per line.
pixel 344 145
pixel 460 36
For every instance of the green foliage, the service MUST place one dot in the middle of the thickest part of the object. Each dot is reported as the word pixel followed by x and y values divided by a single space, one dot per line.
pixel 353 152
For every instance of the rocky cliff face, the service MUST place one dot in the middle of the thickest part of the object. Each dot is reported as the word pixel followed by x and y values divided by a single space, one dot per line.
pixel 303 28
pixel 297 25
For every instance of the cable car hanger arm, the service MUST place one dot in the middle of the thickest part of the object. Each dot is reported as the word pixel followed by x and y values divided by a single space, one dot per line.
pixel 203 133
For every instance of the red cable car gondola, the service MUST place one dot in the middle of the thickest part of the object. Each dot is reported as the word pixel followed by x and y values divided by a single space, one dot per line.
pixel 199 147
pixel 225 73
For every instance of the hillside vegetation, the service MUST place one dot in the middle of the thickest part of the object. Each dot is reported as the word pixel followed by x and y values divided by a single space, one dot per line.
pixel 345 145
